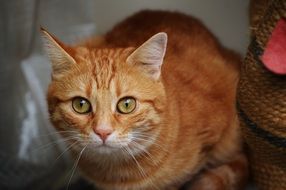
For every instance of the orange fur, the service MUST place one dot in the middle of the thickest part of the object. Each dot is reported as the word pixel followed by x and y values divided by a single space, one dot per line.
pixel 188 115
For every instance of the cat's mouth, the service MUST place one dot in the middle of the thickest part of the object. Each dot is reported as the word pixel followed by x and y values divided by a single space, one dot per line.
pixel 109 145
pixel 129 144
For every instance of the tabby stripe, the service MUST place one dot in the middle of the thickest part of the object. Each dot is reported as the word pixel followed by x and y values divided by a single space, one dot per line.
pixel 94 72
pixel 89 88
pixel 277 141
pixel 158 110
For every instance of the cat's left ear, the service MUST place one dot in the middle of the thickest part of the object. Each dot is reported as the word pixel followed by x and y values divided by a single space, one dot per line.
pixel 60 55
pixel 149 56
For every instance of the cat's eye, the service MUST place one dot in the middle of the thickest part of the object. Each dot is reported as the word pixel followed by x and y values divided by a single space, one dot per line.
pixel 81 105
pixel 126 105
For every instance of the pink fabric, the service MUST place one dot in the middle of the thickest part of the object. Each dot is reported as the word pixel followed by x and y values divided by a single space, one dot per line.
pixel 274 57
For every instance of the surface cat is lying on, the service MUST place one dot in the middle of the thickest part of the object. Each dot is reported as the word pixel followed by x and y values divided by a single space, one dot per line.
pixel 141 113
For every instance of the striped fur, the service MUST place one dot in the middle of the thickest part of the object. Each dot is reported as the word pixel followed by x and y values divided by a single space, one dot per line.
pixel 185 122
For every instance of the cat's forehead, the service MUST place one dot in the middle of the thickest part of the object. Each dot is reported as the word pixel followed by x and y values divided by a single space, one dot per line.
pixel 106 64
pixel 107 54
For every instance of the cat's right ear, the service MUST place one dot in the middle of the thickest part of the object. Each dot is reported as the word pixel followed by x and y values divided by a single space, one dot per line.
pixel 60 55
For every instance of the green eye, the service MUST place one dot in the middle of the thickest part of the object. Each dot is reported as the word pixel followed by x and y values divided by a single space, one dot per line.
pixel 126 105
pixel 81 105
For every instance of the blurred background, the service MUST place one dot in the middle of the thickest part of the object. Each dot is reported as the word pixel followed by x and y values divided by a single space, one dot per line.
pixel 31 155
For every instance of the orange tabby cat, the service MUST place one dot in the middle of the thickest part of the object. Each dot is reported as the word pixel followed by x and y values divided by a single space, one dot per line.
pixel 142 113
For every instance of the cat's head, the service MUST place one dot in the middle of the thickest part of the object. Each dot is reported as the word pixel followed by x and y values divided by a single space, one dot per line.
pixel 109 100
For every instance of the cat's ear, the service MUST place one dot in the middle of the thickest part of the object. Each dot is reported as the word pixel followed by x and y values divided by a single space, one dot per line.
pixel 60 55
pixel 149 56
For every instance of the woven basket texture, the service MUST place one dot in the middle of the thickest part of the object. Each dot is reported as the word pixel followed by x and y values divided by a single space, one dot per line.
pixel 262 105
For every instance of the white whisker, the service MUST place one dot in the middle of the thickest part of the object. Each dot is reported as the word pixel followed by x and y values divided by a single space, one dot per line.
pixel 141 170
pixel 145 153
pixel 58 133
pixel 75 166
pixel 53 143
pixel 68 148
pixel 151 141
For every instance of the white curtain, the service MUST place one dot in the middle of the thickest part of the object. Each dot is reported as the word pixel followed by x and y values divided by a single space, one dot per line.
pixel 28 147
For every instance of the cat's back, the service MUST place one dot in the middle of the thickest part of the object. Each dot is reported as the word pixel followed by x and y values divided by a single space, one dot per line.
pixel 136 29
pixel 194 57
pixel 188 39
pixel 191 47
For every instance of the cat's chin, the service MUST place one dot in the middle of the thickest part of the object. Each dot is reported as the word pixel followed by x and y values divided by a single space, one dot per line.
pixel 118 152
pixel 105 149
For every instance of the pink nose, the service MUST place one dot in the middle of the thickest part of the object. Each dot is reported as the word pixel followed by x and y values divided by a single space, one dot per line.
pixel 103 133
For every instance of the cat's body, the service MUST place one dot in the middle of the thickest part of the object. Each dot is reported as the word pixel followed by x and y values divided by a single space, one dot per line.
pixel 185 120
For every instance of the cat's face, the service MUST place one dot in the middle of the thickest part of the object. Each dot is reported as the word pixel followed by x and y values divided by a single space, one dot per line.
pixel 109 100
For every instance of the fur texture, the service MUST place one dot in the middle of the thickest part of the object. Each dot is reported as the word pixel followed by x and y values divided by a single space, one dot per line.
pixel 184 127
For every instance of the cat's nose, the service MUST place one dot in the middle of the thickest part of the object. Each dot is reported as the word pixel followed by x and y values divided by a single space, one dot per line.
pixel 103 133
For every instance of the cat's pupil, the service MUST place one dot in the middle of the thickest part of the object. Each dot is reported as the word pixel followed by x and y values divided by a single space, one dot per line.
pixel 81 103
pixel 126 103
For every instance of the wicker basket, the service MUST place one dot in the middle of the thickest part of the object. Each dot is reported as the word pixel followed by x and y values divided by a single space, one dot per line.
pixel 262 106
